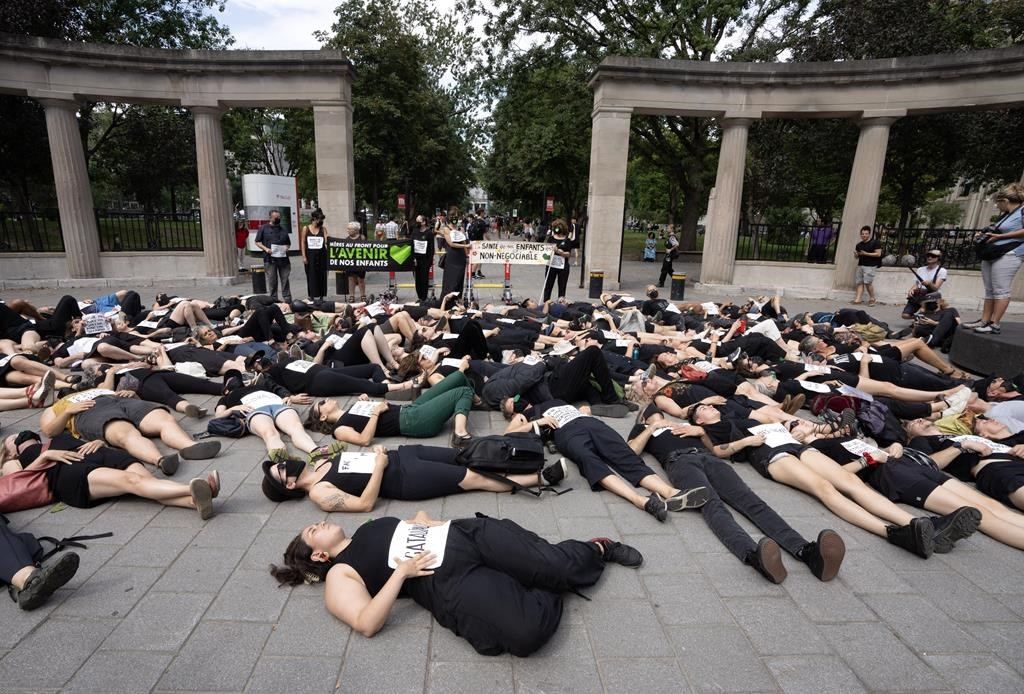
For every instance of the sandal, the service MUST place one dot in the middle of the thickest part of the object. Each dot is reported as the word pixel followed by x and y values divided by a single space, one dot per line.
pixel 856 303
pixel 278 455
pixel 327 451
pixel 872 302
pixel 213 479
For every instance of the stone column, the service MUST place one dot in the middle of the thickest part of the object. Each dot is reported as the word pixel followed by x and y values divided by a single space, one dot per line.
pixel 214 201
pixel 606 198
pixel 861 195
pixel 718 261
pixel 335 170
pixel 74 196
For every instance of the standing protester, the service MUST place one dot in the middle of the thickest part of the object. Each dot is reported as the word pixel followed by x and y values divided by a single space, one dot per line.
pixel 931 277
pixel 423 256
pixel 671 253
pixel 558 267
pixel 869 259
pixel 1006 235
pixel 454 259
pixel 313 244
pixel 241 238
pixel 273 239
pixel 477 231
pixel 356 277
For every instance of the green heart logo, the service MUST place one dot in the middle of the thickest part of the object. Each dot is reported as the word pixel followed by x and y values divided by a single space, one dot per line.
pixel 400 254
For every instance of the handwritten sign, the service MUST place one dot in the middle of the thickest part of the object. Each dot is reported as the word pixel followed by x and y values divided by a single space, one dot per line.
pixel 412 539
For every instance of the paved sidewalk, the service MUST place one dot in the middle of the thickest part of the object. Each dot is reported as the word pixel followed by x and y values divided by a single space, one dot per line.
pixel 170 603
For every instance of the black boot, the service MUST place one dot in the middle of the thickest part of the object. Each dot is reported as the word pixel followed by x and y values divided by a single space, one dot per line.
pixel 767 560
pixel 825 555
pixel 917 537
pixel 42 583
pixel 954 526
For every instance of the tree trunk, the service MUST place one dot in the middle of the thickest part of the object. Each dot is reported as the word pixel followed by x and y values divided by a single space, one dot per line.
pixel 174 200
pixel 693 198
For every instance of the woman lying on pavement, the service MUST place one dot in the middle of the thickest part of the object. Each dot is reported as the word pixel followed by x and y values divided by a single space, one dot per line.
pixel 123 421
pixel 776 454
pixel 300 376
pixel 159 385
pixel 689 464
pixel 604 459
pixel 422 419
pixel 83 474
pixel 490 581
pixel 354 481
pixel 23 369
pixel 268 413
pixel 215 363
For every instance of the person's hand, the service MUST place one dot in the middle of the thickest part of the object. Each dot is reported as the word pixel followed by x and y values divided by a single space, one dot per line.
pixel 687 430
pixel 300 399
pixel 91 447
pixel 757 439
pixel 125 394
pixel 894 451
pixel 364 396
pixel 713 400
pixel 76 407
pixel 548 422
pixel 381 459
pixel 1018 450
pixel 415 567
pixel 981 449
pixel 443 351
pixel 66 457
pixel 382 407
pixel 464 364
pixel 863 348
pixel 305 260
pixel 242 409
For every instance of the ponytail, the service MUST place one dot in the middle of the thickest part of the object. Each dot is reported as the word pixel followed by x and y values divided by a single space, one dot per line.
pixel 299 566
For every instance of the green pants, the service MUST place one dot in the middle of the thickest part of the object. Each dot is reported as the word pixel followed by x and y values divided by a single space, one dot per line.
pixel 425 417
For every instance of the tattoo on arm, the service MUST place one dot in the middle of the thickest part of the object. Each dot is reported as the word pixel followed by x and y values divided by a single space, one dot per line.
pixel 335 502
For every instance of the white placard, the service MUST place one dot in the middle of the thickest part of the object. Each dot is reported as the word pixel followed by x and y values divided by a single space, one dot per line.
pixel 300 365
pixel 775 435
pixel 173 345
pixel 816 369
pixel 850 390
pixel 364 408
pixel 610 334
pixel 753 316
pixel 672 308
pixel 627 298
pixel 229 340
pixel 151 324
pixel 458 236
pixel 160 313
pixel 660 430
pixel 996 447
pixel 705 366
pixel 278 251
pixel 509 321
pixel 814 387
pixel 874 358
pixel 557 262
pixel 563 414
pixel 95 323
pixel 456 363
pixel 531 360
pixel 858 447
pixel 87 395
pixel 358 463
pixel 375 309
pixel 314 243
pixel 419 247
pixel 413 539
pixel 622 343
pixel 428 352
pixel 450 336
pixel 82 346
pixel 710 308
pixel 337 341
pixel 261 398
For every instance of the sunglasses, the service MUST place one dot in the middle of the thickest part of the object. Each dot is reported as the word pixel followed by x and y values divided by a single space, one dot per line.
pixel 932 255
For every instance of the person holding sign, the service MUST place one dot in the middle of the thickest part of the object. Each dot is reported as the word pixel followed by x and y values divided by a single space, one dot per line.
pixel 455 258
pixel 558 267
pixel 492 582
pixel 274 241
pixel 313 244
pixel 353 482
pixel 423 256
pixel 422 419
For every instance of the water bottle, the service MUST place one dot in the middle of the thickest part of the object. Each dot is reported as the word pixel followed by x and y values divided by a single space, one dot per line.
pixel 636 352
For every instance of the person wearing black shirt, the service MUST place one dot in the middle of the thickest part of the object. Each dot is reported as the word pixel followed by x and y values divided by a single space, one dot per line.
pixel 671 253
pixel 423 256
pixel 558 267
pixel 869 259
pixel 274 240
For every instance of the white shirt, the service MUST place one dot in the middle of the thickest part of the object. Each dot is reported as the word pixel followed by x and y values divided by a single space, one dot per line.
pixel 391 231
pixel 928 275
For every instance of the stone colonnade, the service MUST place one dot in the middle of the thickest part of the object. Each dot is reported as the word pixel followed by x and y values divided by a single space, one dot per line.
pixel 874 93
pixel 61 75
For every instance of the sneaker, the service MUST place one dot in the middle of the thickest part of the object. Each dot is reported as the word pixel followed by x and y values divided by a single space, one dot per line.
pixel 615 409
pixel 917 537
pixel 43 390
pixel 201 451
pixel 954 526
pixel 825 555
pixel 735 356
pixel 278 455
pixel 295 352
pixel 44 582
pixel 195 411
pixel 553 474
pixel 657 507
pixel 767 560
pixel 973 324
pixel 613 552
pixel 688 498
pixel 990 329
pixel 457 442
pixel 168 464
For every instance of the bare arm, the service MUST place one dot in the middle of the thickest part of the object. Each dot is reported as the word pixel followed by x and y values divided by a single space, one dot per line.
pixel 348 600
pixel 331 499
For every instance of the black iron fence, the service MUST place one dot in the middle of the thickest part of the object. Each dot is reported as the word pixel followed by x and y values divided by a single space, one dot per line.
pixel 908 246
pixel 800 243
pixel 120 230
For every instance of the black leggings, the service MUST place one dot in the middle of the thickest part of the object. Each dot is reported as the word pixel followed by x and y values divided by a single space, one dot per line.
pixel 166 387
pixel 17 550
pixel 346 380
pixel 561 276
pixel 262 323
pixel 570 380
pixel 57 324
pixel 472 342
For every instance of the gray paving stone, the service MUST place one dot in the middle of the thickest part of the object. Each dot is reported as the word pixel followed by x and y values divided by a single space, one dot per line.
pixel 113 672
pixel 719 659
pixel 465 505
pixel 110 592
pixel 626 628
pixel 863 572
pixel 251 598
pixel 124 517
pixel 921 625
pixel 160 622
pixel 446 646
pixel 734 579
pixel 216 657
pixel 824 602
pixel 987 569
pixel 153 547
pixel 879 659
pixel 642 674
pixel 1005 640
pixel 306 628
pixel 977 674
pixel 775 627
pixel 17 624
pixel 200 569
pixel 371 666
pixel 274 675
pixel 49 656
pixel 812 674
pixel 663 554
pixel 493 677
pixel 686 600
pixel 268 548
pixel 231 530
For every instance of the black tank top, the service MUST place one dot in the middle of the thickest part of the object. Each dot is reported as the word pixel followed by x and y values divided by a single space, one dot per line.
pixel 367 554
pixel 387 423
pixel 354 483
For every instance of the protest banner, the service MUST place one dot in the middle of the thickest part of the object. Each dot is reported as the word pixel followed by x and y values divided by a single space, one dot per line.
pixel 371 256
pixel 512 252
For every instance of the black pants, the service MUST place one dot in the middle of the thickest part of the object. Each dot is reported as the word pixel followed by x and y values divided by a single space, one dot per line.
pixel 914 376
pixel 666 268
pixel 17 550
pixel 454 271
pixel 689 470
pixel 279 270
pixel 936 335
pixel 261 324
pixel 422 275
pixel 754 344
pixel 57 324
pixel 599 451
pixel 361 378
pixel 562 276
pixel 316 273
pixel 570 380
pixel 166 387
pixel 472 342
pixel 500 585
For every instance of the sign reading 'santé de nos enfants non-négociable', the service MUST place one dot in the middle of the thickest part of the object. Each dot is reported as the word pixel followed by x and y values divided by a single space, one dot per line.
pixel 371 256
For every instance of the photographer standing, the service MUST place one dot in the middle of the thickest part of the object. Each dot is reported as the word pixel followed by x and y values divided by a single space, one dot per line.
pixel 1002 253
pixel 273 239
pixel 930 278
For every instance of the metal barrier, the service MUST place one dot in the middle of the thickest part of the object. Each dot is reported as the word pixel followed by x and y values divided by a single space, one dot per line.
pixel 40 231
pixel 908 246
pixel 37 231
pixel 799 243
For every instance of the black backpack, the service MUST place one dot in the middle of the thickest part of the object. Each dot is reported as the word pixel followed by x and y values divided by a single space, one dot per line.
pixel 500 455
pixel 232 426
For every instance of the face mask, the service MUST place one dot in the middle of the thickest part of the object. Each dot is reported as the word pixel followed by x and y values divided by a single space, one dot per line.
pixel 27 456
pixel 293 468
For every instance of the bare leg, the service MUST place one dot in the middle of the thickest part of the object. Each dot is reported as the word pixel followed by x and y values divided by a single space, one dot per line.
pixel 161 423
pixel 123 434
pixel 656 484
pixel 383 348
pixel 945 501
pixel 618 486
pixel 474 481
pixel 105 483
pixel 289 422
pixel 369 346
pixel 854 487
pixel 115 353
pixel 263 426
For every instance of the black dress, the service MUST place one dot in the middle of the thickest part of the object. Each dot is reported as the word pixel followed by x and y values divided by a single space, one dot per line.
pixel 454 269
pixel 316 265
